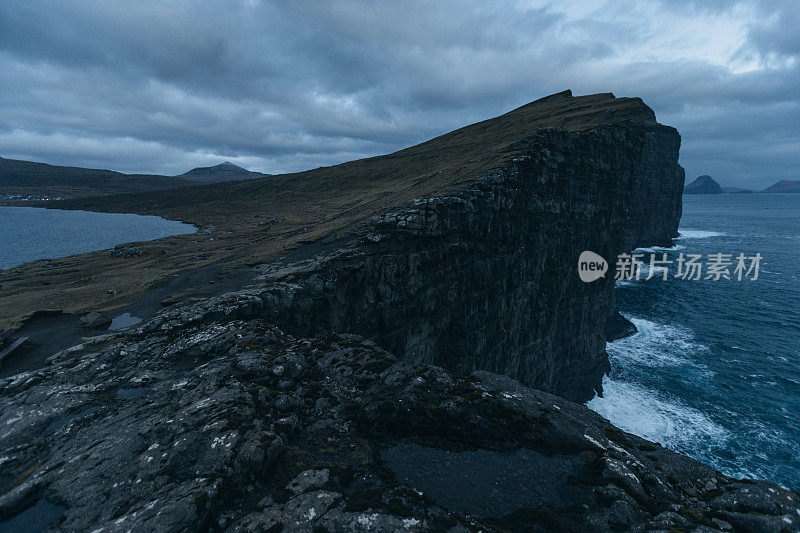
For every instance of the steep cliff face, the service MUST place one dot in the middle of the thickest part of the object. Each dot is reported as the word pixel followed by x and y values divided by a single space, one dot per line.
pixel 486 278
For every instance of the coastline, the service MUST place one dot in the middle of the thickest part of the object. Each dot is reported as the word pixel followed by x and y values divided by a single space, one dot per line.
pixel 448 319
pixel 74 232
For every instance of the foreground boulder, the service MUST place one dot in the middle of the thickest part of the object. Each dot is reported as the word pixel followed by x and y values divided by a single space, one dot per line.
pixel 235 425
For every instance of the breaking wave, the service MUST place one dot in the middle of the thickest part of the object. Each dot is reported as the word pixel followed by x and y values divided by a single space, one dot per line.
pixel 654 414
pixel 656 417
pixel 656 345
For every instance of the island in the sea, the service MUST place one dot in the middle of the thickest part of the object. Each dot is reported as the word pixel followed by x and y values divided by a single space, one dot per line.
pixel 784 186
pixel 704 184
pixel 396 343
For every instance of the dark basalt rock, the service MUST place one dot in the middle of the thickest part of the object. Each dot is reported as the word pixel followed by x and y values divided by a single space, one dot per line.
pixel 127 250
pixel 485 278
pixel 618 327
pixel 239 426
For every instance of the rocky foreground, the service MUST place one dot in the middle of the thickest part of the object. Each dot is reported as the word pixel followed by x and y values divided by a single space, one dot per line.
pixel 201 422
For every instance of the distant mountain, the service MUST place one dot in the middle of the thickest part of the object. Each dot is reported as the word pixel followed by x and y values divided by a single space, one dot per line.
pixel 737 190
pixel 226 171
pixel 703 185
pixel 31 179
pixel 784 186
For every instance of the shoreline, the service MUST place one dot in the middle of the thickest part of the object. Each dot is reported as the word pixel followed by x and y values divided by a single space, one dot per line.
pixel 103 217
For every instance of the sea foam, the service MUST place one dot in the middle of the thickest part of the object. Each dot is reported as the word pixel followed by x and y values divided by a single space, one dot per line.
pixel 657 345
pixel 655 416
pixel 659 249
pixel 698 234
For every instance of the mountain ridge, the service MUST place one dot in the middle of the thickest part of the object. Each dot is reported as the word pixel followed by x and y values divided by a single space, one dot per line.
pixel 253 221
pixel 19 177
pixel 36 179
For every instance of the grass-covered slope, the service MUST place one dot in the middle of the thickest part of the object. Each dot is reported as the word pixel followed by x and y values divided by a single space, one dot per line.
pixel 249 222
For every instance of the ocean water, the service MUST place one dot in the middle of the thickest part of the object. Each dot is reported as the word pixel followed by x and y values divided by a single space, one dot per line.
pixel 714 371
pixel 30 233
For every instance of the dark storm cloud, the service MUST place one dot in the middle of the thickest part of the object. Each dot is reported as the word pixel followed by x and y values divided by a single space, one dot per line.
pixel 155 86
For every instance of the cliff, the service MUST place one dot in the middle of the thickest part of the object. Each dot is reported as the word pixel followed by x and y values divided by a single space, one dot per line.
pixel 478 273
pixel 703 185
pixel 423 310
pixel 257 221
pixel 485 278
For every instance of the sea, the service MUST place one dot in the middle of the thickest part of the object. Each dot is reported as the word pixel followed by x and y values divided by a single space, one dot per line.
pixel 714 371
pixel 30 233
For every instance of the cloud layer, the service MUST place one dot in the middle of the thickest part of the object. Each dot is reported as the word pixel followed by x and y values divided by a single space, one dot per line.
pixel 153 86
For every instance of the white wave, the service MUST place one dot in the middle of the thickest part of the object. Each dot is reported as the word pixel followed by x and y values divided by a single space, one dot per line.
pixel 656 345
pixel 656 417
pixel 686 233
pixel 659 249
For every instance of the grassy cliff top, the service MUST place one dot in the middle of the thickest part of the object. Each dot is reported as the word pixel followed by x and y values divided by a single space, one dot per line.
pixel 315 205
pixel 426 168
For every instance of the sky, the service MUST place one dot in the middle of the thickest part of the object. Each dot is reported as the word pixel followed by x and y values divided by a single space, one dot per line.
pixel 160 86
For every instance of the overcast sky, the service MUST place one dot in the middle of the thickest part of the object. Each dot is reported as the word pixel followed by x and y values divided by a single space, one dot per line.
pixel 162 86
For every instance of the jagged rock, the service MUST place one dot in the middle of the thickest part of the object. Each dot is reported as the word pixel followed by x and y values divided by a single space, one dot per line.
pixel 618 327
pixel 178 429
pixel 95 320
pixel 309 479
